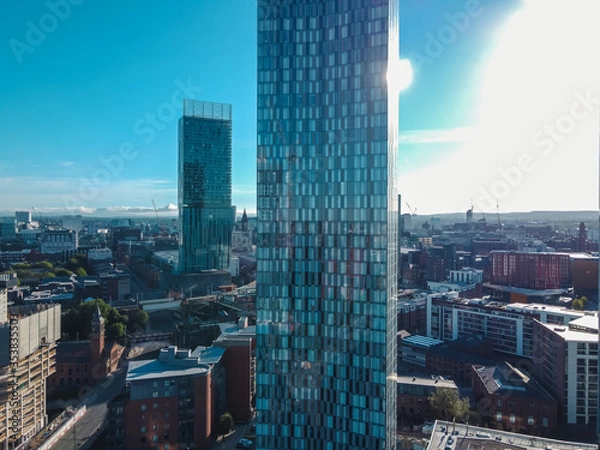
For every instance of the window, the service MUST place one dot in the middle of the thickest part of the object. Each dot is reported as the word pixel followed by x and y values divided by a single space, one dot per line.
pixel 499 416
pixel 143 429
pixel 143 407
pixel 154 438
pixel 545 422
pixel 512 418
pixel 530 420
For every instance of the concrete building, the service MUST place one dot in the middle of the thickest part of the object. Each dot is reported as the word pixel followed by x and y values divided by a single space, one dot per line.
pixel 61 242
pixel 458 436
pixel 566 362
pixel 509 327
pixel 8 228
pixel 28 338
pixel 115 286
pixel 327 225
pixel 206 215
pixel 23 217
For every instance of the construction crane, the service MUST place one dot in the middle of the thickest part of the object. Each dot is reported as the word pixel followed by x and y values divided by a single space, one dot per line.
pixel 161 228
pixel 498 212
pixel 413 212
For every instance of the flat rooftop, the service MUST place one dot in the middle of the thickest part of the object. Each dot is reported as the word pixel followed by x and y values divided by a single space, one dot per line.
pixel 450 436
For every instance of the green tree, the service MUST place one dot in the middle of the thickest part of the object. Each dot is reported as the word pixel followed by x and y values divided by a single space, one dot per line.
pixel 116 331
pixel 579 303
pixel 225 423
pixel 79 322
pixel 446 404
pixel 80 272
pixel 43 265
pixel 61 272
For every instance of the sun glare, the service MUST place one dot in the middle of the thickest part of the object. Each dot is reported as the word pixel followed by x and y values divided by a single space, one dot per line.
pixel 399 76
pixel 546 47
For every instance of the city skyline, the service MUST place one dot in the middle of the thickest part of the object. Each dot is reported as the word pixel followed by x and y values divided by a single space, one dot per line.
pixel 91 118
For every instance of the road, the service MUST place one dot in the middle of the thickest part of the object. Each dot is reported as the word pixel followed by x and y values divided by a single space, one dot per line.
pixel 230 442
pixel 96 413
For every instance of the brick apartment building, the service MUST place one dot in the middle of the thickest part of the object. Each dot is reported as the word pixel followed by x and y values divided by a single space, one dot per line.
pixel 531 270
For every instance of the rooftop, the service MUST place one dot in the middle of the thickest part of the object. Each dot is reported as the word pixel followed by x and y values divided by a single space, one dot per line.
pixel 571 335
pixel 172 362
pixel 508 380
pixel 437 382
pixel 421 341
pixel 450 436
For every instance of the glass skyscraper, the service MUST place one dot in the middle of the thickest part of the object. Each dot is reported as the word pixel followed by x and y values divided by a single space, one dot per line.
pixel 327 214
pixel 204 186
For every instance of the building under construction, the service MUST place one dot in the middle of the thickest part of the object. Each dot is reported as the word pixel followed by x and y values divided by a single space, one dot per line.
pixel 28 337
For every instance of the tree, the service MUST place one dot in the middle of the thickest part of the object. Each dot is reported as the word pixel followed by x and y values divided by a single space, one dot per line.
pixel 43 265
pixel 225 423
pixel 137 320
pixel 579 303
pixel 60 272
pixel 116 331
pixel 80 272
pixel 78 321
pixel 446 404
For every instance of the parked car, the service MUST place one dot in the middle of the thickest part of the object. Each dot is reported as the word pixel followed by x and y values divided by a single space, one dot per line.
pixel 244 443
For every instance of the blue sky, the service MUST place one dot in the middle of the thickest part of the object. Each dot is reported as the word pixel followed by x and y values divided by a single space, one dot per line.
pixel 92 93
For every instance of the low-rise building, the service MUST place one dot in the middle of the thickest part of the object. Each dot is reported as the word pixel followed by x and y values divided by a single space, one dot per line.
pixel 413 394
pixel 513 400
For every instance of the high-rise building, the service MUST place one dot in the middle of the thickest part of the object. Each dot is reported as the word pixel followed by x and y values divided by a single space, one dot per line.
pixel 326 236
pixel 206 215
pixel 28 338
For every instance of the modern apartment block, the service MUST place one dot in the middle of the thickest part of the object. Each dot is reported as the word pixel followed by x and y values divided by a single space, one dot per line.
pixel 327 231
pixel 206 215
pixel 531 270
pixel 566 362
pixel 28 338
pixel 508 326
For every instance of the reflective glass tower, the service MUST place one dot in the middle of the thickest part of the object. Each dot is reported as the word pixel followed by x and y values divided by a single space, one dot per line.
pixel 205 212
pixel 327 213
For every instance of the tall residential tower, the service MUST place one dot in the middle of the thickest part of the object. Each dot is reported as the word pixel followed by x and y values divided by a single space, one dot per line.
pixel 327 225
pixel 206 215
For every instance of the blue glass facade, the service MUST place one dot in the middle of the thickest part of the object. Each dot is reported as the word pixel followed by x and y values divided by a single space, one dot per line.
pixel 327 213
pixel 206 215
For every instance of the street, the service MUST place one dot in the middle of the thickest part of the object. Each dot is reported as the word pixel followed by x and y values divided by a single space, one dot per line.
pixel 95 415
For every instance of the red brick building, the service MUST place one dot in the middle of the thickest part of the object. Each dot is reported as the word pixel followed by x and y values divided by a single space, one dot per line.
pixel 84 363
pixel 170 405
pixel 412 394
pixel 514 401
pixel 531 270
